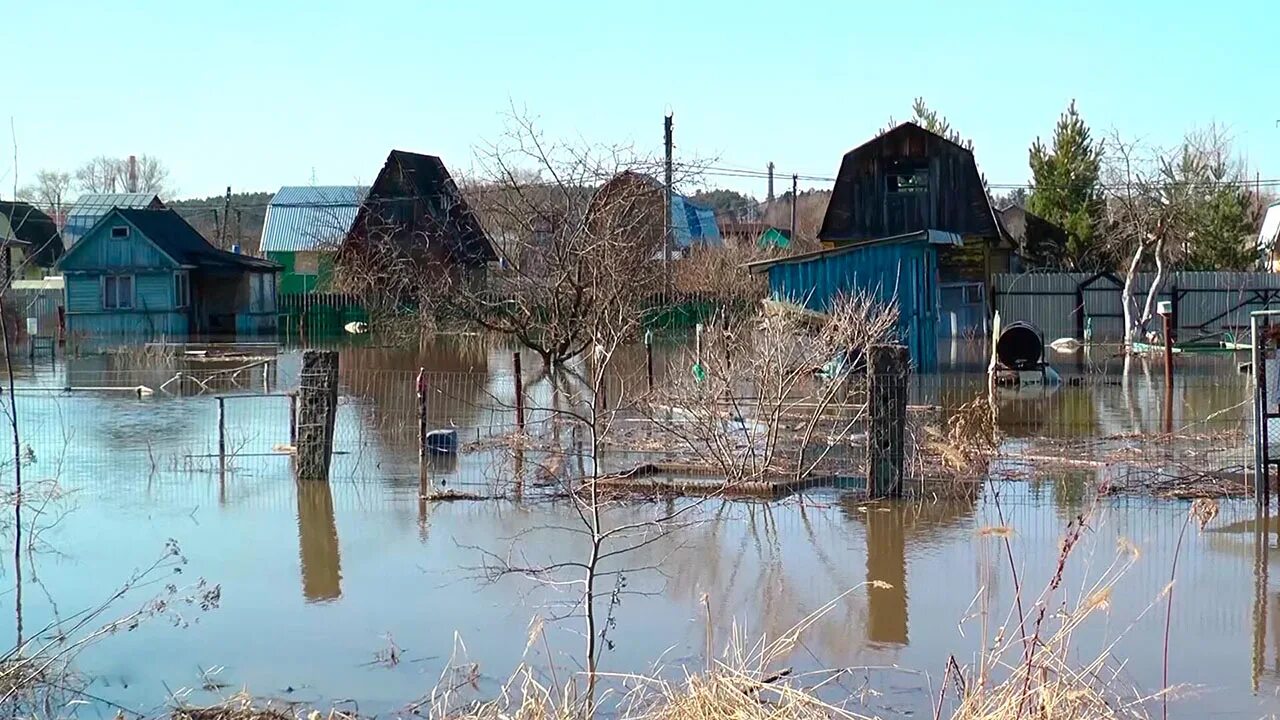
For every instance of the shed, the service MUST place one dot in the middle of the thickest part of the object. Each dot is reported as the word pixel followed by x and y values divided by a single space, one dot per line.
pixel 902 269
pixel 147 274
pixel 755 235
pixel 303 229
pixel 414 210
pixel 90 208
pixel 31 241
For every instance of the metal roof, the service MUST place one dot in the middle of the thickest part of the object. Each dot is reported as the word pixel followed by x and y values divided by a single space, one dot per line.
pixel 307 218
pixel 90 207
pixel 693 224
pixel 98 204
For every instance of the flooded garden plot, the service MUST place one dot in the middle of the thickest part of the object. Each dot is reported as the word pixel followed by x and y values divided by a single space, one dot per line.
pixel 367 589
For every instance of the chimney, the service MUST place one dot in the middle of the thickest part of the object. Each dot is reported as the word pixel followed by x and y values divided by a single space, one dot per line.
pixel 133 174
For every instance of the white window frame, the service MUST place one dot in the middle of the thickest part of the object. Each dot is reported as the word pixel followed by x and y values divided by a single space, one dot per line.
pixel 111 301
pixel 121 236
pixel 182 289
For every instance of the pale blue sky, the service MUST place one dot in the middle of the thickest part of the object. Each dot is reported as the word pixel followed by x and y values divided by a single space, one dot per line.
pixel 257 94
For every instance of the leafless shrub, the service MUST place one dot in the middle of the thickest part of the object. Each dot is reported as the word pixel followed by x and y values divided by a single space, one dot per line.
pixel 776 394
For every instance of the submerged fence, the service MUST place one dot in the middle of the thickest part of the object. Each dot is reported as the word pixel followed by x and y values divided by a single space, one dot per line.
pixel 1073 304
pixel 119 429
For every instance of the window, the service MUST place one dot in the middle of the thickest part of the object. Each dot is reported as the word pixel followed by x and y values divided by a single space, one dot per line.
pixel 908 181
pixel 119 232
pixel 181 289
pixel 117 292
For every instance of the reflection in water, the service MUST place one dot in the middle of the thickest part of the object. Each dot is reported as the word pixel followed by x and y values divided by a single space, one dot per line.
pixel 318 543
pixel 887 563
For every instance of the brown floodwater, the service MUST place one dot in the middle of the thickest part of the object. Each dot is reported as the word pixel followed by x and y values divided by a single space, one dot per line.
pixel 320 581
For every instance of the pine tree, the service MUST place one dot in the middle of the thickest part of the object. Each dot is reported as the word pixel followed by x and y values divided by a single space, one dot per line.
pixel 1065 188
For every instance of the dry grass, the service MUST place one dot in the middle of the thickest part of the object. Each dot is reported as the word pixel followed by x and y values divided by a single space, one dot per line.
pixel 245 707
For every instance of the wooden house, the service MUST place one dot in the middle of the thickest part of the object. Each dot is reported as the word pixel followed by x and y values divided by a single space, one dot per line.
pixel 147 274
pixel 303 229
pixel 30 240
pixel 908 180
pixel 415 212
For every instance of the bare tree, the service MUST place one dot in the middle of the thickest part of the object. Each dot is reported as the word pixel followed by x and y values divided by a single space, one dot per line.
pixel 576 258
pixel 1163 207
pixel 49 192
pixel 105 174
pixel 771 395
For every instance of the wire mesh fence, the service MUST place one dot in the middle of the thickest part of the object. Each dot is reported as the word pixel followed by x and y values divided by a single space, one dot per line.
pixel 100 424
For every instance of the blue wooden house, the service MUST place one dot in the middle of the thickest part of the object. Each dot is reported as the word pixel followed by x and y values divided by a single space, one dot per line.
pixel 901 270
pixel 147 274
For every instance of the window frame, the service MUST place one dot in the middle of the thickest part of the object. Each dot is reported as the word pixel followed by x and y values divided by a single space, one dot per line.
pixel 182 289
pixel 122 236
pixel 111 291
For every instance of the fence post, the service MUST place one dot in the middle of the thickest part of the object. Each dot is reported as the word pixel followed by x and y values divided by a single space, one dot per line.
pixel 222 436
pixel 648 356
pixel 888 368
pixel 317 410
pixel 422 425
pixel 293 420
pixel 515 361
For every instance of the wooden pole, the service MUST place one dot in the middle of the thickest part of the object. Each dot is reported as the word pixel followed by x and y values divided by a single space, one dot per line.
pixel 888 369
pixel 421 386
pixel 222 436
pixel 293 420
pixel 1168 372
pixel 648 356
pixel 317 411
pixel 515 361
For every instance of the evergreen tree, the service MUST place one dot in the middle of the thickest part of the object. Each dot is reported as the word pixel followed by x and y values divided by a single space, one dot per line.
pixel 1065 188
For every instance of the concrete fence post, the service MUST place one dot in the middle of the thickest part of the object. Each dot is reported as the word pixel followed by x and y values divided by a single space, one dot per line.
pixel 317 410
pixel 888 370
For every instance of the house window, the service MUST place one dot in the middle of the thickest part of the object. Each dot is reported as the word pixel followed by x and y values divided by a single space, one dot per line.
pixel 120 232
pixel 117 292
pixel 914 180
pixel 181 289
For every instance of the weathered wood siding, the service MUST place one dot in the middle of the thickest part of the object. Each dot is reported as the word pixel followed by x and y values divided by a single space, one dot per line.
pixel 97 255
pixel 97 250
pixel 863 206
pixel 153 314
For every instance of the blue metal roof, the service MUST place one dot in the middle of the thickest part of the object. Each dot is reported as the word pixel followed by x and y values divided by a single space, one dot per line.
pixel 693 224
pixel 308 218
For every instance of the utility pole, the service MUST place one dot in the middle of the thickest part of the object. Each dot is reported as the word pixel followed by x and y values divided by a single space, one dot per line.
pixel 226 217
pixel 666 225
pixel 795 200
pixel 770 196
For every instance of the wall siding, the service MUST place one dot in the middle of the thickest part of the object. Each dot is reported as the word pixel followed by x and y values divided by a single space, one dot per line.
pixel 905 273
pixel 99 251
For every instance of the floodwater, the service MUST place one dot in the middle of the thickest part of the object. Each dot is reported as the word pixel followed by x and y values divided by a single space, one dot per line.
pixel 361 592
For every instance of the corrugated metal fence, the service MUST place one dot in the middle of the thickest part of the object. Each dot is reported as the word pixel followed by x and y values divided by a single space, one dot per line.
pixel 1065 304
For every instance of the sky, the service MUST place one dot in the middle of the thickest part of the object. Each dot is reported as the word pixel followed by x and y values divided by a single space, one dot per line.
pixel 259 94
